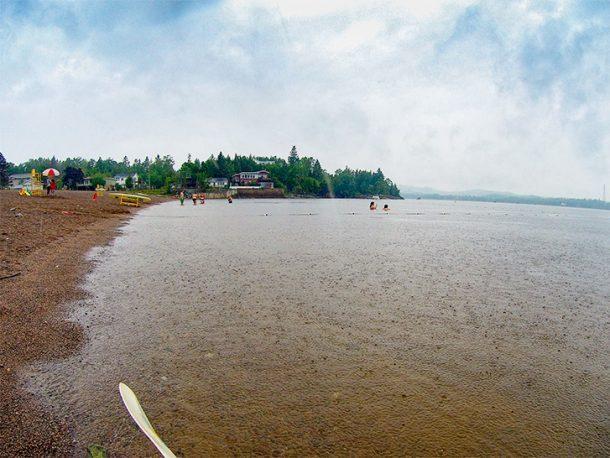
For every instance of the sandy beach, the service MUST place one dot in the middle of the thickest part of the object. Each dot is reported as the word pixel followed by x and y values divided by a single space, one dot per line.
pixel 43 241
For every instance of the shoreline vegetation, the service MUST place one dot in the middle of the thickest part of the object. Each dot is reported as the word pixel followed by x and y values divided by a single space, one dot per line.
pixel 296 176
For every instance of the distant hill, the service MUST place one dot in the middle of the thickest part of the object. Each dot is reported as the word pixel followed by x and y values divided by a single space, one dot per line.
pixel 482 195
pixel 470 192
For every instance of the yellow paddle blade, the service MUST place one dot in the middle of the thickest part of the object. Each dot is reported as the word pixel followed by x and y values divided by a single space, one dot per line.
pixel 137 413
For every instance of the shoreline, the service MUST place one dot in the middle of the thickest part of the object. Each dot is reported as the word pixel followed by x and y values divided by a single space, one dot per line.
pixel 44 242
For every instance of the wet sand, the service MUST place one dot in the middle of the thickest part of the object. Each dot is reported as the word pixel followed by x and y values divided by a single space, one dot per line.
pixel 439 329
pixel 43 241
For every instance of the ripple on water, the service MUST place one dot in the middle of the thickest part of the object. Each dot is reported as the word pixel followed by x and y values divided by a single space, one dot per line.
pixel 439 328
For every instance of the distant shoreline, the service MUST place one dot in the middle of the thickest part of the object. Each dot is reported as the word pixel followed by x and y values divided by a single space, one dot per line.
pixel 514 199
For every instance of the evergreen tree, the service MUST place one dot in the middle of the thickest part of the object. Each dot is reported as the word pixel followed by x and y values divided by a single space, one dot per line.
pixel 293 157
pixel 223 166
pixel 317 171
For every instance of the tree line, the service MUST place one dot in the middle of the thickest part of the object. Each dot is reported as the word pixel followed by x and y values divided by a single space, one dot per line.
pixel 296 175
pixel 514 199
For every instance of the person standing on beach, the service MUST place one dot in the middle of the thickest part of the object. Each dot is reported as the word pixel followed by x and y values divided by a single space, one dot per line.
pixel 181 197
pixel 53 186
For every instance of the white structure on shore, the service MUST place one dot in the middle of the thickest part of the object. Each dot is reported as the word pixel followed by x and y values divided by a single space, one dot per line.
pixel 218 182
pixel 122 179
pixel 20 180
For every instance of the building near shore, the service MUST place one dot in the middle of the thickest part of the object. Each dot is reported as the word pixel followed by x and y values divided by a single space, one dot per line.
pixel 259 179
pixel 218 182
pixel 85 185
pixel 264 161
pixel 110 183
pixel 121 179
pixel 20 180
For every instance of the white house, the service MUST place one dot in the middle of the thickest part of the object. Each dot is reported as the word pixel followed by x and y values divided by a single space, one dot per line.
pixel 121 179
pixel 19 180
pixel 110 183
pixel 218 182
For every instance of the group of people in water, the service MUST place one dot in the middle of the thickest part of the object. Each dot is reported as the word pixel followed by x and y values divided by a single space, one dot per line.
pixel 201 198
pixel 373 206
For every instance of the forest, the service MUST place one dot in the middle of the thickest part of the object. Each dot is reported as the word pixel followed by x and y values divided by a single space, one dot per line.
pixel 298 176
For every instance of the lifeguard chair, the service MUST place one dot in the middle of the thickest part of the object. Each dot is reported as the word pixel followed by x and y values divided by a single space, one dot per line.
pixel 100 190
pixel 36 188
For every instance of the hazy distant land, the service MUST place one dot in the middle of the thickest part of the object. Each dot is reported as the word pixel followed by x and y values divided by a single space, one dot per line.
pixel 481 195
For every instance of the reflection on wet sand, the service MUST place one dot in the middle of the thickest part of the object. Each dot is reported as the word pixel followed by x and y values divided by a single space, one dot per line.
pixel 321 328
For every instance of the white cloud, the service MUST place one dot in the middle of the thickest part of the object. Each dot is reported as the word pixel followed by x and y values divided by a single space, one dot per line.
pixel 357 34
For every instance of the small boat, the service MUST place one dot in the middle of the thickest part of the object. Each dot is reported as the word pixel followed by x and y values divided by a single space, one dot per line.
pixel 376 197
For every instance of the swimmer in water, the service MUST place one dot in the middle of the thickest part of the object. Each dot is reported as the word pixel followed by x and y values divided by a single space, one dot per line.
pixel 373 206
pixel 181 197
pixel 230 199
pixel 194 197
pixel 386 208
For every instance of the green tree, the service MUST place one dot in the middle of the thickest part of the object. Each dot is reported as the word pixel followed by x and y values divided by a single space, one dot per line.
pixel 293 157
pixel 129 182
pixel 223 164
pixel 202 181
pixel 3 171
pixel 125 165
pixel 72 176
pixel 317 172
pixel 98 180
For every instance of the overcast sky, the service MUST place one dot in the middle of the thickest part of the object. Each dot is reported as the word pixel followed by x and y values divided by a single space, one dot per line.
pixel 510 96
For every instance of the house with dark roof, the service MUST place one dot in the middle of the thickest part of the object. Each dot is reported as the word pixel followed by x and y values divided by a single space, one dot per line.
pixel 257 179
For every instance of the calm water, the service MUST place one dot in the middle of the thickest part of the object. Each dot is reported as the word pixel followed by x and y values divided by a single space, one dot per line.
pixel 317 327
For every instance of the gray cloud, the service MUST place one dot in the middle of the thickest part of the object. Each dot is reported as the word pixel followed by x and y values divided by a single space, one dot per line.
pixel 508 96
